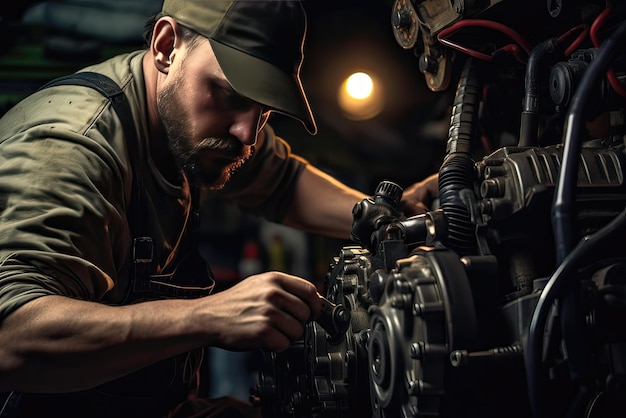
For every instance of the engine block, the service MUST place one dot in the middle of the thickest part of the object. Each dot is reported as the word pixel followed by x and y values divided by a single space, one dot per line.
pixel 509 298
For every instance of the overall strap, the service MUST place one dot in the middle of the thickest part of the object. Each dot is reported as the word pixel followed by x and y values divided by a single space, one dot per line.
pixel 109 89
pixel 142 252
pixel 143 285
pixel 143 246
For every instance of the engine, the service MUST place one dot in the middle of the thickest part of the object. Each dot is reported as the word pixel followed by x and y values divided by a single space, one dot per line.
pixel 509 297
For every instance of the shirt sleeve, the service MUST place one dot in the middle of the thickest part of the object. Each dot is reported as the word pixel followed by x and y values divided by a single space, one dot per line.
pixel 62 209
pixel 265 184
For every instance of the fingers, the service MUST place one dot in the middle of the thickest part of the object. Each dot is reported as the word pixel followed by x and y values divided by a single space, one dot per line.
pixel 297 299
pixel 412 208
pixel 417 198
pixel 268 310
pixel 288 306
pixel 303 290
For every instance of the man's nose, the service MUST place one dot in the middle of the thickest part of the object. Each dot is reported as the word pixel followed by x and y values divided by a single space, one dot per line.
pixel 246 124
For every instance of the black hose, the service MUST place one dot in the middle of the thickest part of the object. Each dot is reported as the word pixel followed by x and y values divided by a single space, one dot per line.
pixel 564 196
pixel 577 258
pixel 542 54
pixel 569 260
pixel 457 170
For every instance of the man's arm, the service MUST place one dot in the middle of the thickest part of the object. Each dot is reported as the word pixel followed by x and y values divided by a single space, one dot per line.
pixel 322 204
pixel 59 344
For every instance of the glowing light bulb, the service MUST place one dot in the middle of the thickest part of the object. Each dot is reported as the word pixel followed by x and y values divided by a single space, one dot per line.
pixel 361 96
pixel 359 85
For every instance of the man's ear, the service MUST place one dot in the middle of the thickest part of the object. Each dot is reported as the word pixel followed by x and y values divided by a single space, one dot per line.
pixel 163 43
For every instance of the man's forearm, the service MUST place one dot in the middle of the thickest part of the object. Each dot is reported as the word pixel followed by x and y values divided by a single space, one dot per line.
pixel 323 205
pixel 55 343
pixel 59 344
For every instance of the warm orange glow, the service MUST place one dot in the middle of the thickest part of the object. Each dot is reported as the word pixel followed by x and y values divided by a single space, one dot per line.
pixel 359 86
pixel 360 96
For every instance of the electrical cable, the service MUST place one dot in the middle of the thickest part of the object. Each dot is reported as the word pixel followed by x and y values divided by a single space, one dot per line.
pixel 549 294
pixel 567 260
pixel 509 48
pixel 584 32
pixel 594 34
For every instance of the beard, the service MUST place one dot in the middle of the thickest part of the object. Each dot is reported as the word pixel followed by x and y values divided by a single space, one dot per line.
pixel 228 153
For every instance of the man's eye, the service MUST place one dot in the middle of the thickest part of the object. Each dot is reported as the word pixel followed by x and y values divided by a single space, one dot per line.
pixel 238 102
pixel 234 101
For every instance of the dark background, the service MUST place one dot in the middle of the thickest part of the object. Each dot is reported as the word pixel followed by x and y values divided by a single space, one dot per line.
pixel 404 143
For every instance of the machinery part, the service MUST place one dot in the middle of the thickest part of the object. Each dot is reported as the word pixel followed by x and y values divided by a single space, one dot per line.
pixel 412 334
pixel 410 18
pixel 335 319
pixel 320 376
pixel 371 214
pixel 509 299
pixel 404 23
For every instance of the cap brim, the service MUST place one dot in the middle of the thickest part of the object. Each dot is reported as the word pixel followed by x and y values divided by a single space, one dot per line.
pixel 264 83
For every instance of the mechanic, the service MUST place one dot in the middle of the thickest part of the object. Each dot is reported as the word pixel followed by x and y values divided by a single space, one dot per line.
pixel 104 299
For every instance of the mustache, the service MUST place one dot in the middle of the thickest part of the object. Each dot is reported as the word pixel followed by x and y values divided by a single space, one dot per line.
pixel 226 145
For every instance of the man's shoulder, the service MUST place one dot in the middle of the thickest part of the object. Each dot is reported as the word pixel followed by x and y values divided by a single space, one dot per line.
pixel 63 108
pixel 70 108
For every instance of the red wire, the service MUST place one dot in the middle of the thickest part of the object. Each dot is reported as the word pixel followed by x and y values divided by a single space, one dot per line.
pixel 468 51
pixel 619 88
pixel 594 34
pixel 579 39
pixel 597 24
pixel 489 25
pixel 513 49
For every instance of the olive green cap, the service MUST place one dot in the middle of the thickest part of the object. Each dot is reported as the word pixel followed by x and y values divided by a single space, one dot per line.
pixel 259 46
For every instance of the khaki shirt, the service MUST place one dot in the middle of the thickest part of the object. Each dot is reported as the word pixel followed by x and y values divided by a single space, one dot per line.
pixel 65 186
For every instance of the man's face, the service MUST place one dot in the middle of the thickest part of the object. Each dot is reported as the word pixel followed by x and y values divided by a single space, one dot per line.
pixel 210 128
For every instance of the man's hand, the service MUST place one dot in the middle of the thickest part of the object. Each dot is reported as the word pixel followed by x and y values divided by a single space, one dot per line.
pixel 267 310
pixel 61 344
pixel 418 198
